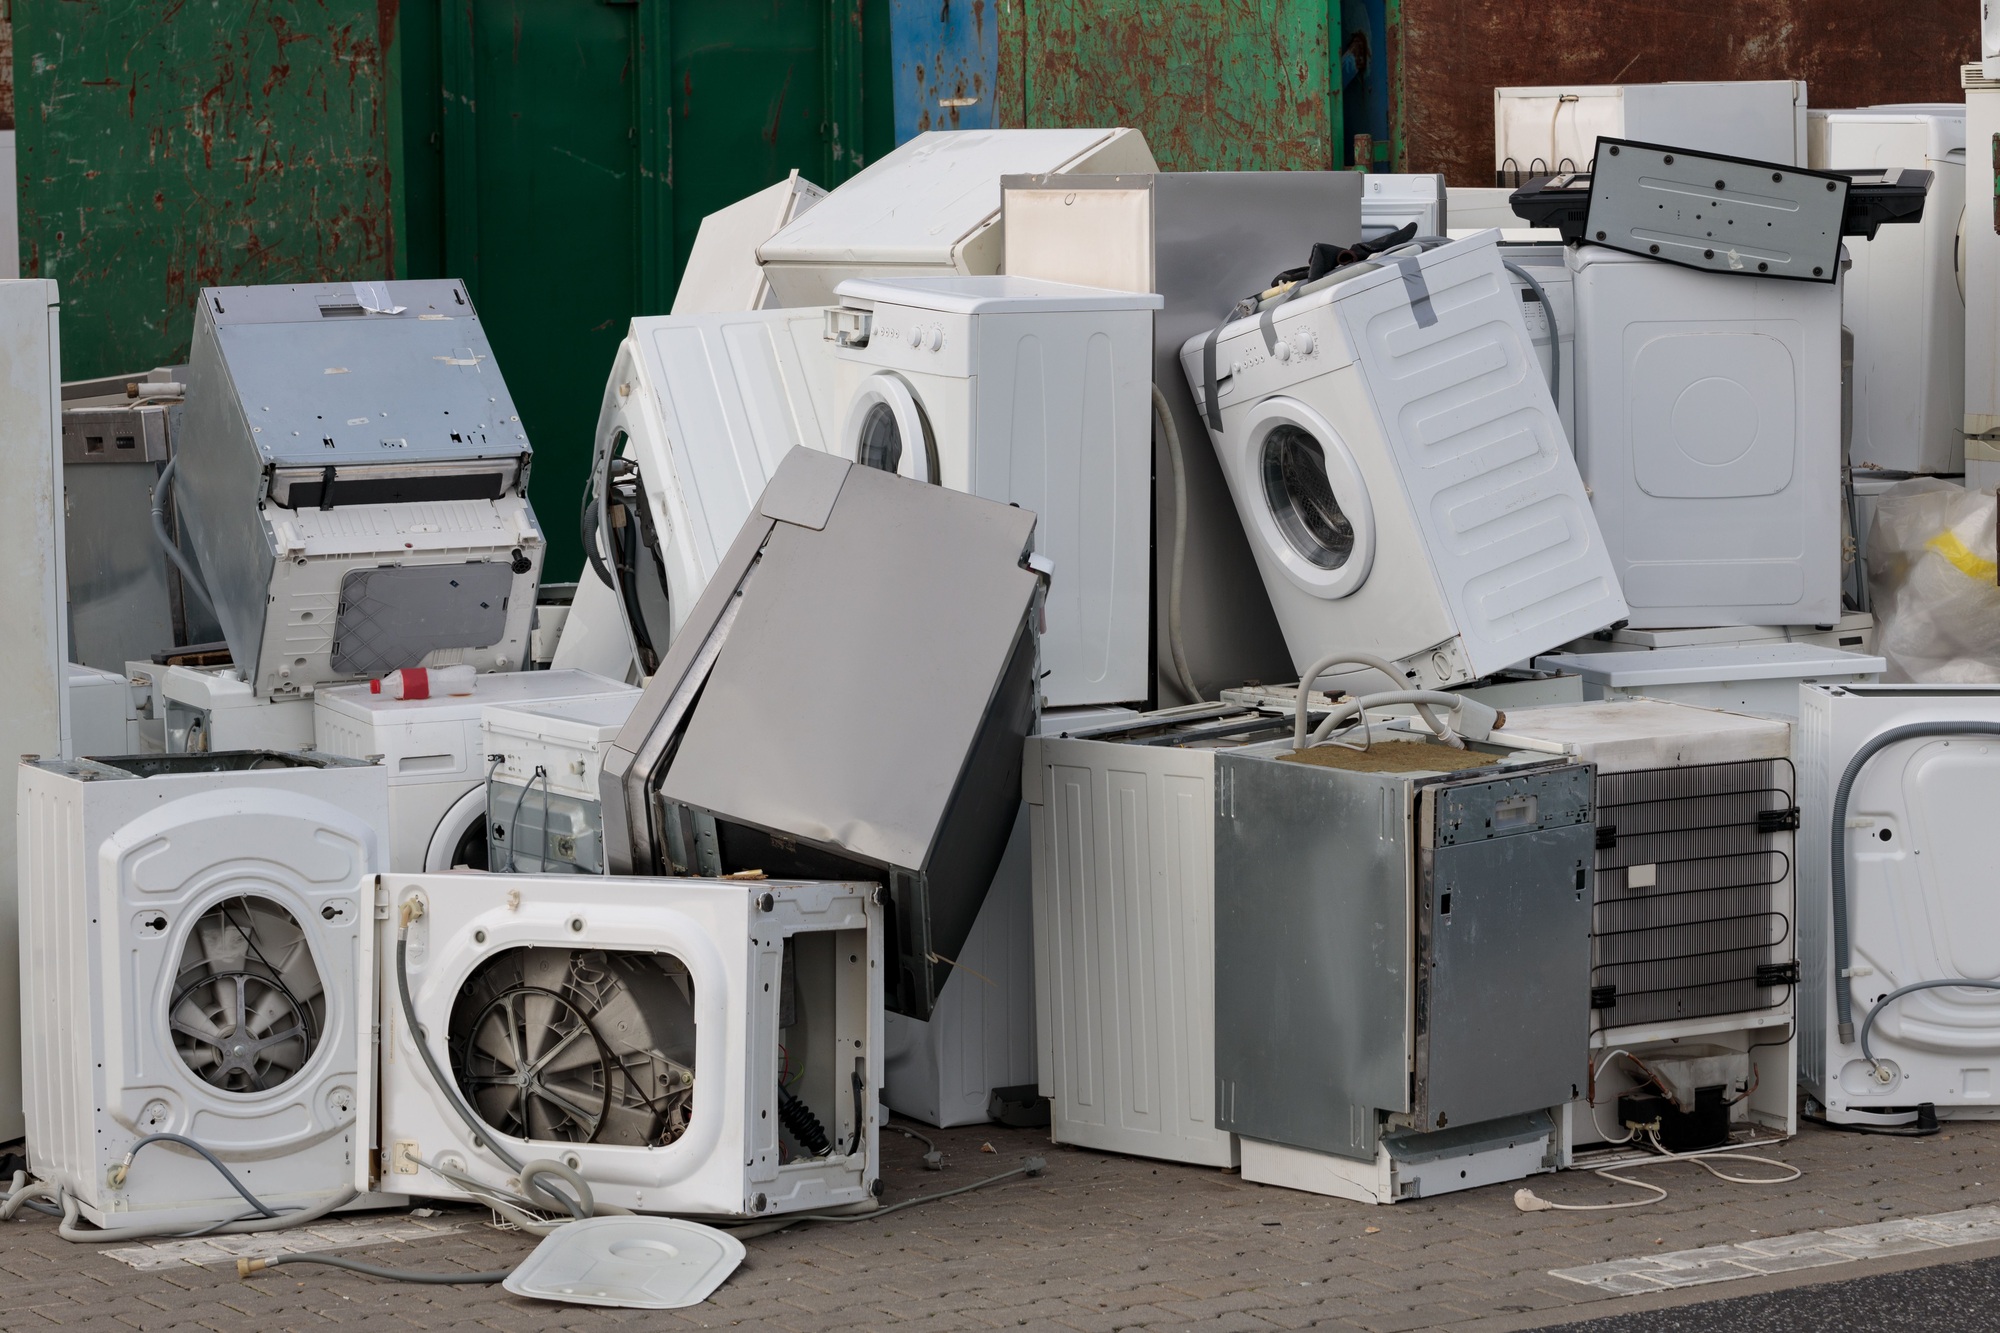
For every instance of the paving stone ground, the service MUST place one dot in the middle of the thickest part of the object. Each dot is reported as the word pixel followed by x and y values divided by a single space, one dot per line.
pixel 1096 1242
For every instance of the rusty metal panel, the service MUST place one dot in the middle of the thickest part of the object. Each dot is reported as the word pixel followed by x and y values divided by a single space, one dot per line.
pixel 165 147
pixel 1451 54
pixel 1216 85
pixel 946 54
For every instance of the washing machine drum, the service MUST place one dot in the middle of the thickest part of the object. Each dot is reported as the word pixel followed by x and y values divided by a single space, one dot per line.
pixel 1310 504
pixel 887 428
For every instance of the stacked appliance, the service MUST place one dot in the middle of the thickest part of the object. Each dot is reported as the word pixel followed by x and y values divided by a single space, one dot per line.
pixel 722 275
pixel 354 480
pixel 931 207
pixel 1200 240
pixel 1982 276
pixel 559 747
pixel 191 929
pixel 1435 519
pixel 719 1040
pixel 1390 202
pixel 436 757
pixel 1692 941
pixel 1898 1015
pixel 1032 393
pixel 1549 130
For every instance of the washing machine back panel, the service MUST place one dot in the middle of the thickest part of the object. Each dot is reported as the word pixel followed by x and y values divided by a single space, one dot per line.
pixel 1485 465
pixel 1709 431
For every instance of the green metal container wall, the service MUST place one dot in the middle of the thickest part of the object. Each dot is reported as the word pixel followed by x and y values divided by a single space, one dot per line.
pixel 1216 85
pixel 167 147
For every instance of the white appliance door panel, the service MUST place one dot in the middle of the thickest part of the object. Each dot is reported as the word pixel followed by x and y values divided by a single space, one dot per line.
pixel 1483 460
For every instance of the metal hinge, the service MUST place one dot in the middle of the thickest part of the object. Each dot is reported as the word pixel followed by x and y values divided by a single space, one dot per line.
pixel 1604 997
pixel 1778 821
pixel 1778 974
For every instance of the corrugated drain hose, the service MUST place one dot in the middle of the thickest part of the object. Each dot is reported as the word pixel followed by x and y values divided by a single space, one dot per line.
pixel 1843 1006
pixel 189 578
pixel 1176 647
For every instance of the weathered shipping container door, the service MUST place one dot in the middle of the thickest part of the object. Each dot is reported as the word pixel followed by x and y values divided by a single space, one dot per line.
pixel 584 141
pixel 946 54
pixel 1216 85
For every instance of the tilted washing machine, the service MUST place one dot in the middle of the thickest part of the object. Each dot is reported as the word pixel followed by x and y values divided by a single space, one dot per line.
pixel 354 478
pixel 687 1046
pixel 190 927
pixel 1897 785
pixel 1032 393
pixel 431 750
pixel 1401 470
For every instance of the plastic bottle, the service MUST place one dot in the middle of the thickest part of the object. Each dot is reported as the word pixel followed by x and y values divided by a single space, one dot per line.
pixel 424 682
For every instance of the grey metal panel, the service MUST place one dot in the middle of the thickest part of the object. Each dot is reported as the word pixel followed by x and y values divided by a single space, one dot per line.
pixel 394 616
pixel 359 387
pixel 1503 1010
pixel 805 495
pixel 1313 872
pixel 1722 214
pixel 120 607
pixel 858 692
pixel 115 434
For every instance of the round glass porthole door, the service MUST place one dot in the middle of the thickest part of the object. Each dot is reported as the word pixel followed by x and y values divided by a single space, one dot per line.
pixel 1316 516
pixel 887 429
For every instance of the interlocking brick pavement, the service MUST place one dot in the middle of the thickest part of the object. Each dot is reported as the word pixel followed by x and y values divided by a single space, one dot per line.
pixel 1095 1244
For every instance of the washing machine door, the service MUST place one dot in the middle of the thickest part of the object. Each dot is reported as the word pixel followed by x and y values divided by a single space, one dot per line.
pixel 886 428
pixel 1303 495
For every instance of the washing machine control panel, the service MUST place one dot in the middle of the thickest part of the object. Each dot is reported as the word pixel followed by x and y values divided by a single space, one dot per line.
pixel 906 339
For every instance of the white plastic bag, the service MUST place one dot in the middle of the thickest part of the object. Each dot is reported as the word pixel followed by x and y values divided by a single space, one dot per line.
pixel 1934 584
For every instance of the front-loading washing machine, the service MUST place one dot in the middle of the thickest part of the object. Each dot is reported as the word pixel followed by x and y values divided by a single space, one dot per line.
pixel 1401 470
pixel 1032 393
pixel 1708 429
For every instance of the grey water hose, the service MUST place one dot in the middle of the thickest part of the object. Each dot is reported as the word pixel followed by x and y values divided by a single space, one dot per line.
pixel 1897 994
pixel 189 578
pixel 1843 1007
pixel 1175 644
pixel 1397 676
pixel 1555 334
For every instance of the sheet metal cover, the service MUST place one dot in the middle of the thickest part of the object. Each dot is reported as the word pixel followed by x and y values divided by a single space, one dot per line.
pixel 1720 214
pixel 640 1263
pixel 861 665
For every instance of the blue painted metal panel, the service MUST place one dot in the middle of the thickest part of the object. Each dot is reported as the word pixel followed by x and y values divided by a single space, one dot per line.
pixel 946 53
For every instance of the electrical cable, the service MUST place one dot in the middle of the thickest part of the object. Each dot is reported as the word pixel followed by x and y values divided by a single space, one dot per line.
pixel 514 820
pixel 189 578
pixel 245 1267
pixel 1528 1201
pixel 1842 946
pixel 1176 646
pixel 1033 1166
pixel 69 1228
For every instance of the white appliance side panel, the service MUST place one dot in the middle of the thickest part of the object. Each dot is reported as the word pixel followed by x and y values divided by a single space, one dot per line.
pixel 1709 426
pixel 1062 426
pixel 1982 263
pixel 34 651
pixel 1484 462
pixel 60 996
pixel 1125 945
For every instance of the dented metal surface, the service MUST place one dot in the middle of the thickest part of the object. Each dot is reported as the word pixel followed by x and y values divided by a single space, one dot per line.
pixel 165 147
pixel 1449 55
pixel 1226 85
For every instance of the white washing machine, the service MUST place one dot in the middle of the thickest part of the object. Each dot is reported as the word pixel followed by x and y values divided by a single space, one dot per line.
pixel 1902 300
pixel 1708 429
pixel 205 709
pixel 1915 865
pixel 721 1039
pixel 1401 470
pixel 101 720
pixel 1390 201
pixel 544 810
pixel 930 207
pixel 432 752
pixel 1548 307
pixel 1036 394
pixel 189 932
pixel 1981 267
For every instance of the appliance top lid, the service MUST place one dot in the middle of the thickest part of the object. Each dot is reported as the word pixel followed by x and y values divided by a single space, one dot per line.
pixel 1350 280
pixel 997 293
pixel 492 687
pixel 640 1263
pixel 916 204
pixel 1623 734
pixel 1700 663
pixel 116 767
pixel 597 718
pixel 345 374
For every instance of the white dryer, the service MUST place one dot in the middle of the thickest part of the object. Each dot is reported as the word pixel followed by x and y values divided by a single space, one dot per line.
pixel 1895 901
pixel 189 931
pixel 1401 471
pixel 1036 394
pixel 431 751
pixel 1708 429
pixel 687 1046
